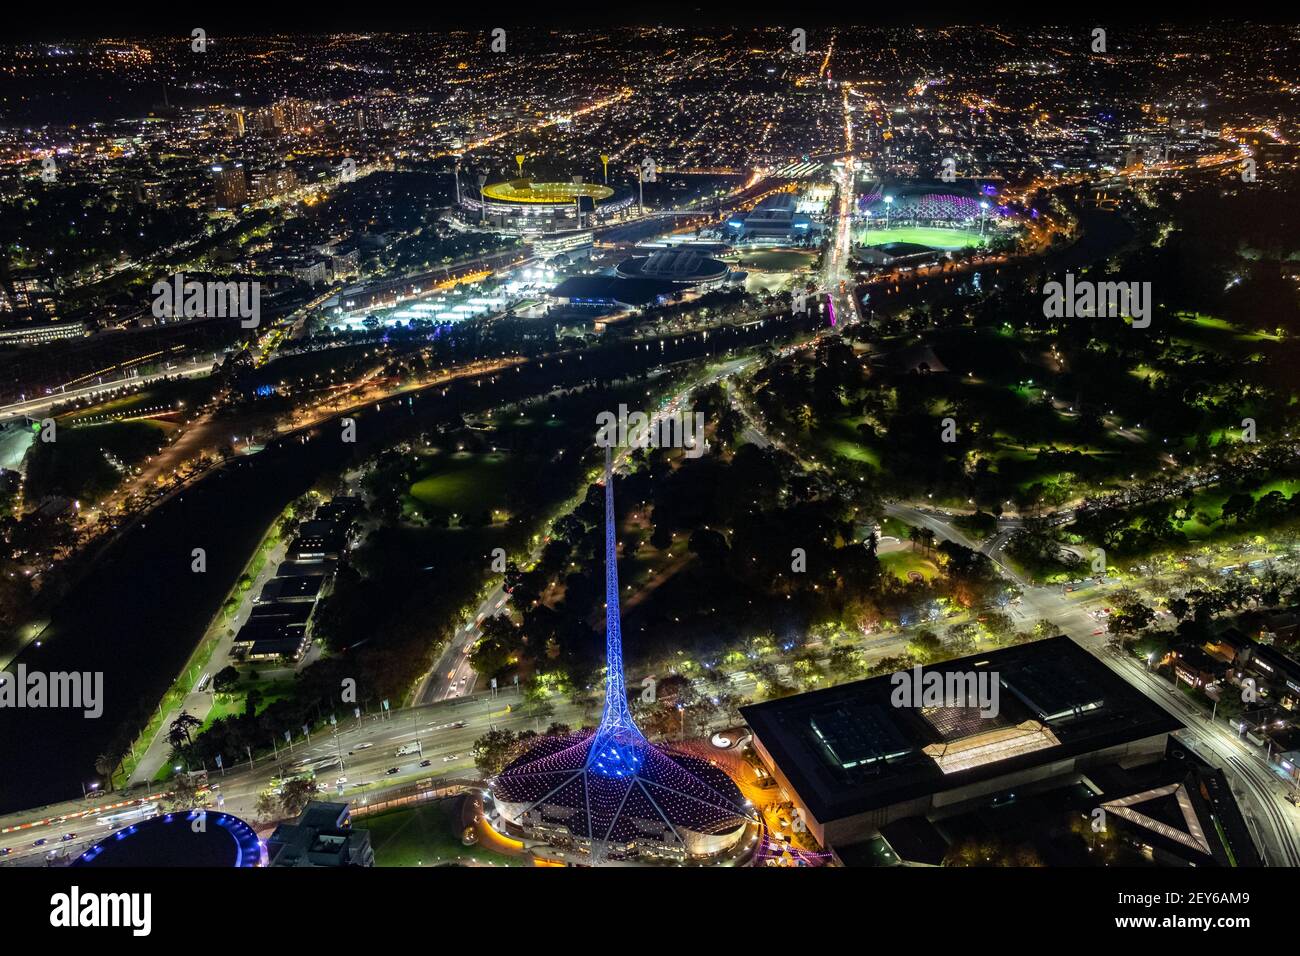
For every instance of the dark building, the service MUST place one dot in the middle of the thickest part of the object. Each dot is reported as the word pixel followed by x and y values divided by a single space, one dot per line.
pixel 609 292
pixel 853 762
pixel 301 589
pixel 271 640
pixel 317 547
pixel 322 836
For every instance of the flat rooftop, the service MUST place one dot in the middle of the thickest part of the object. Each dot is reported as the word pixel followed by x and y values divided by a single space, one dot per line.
pixel 848 749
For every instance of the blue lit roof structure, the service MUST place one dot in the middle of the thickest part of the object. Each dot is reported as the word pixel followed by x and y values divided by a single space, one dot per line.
pixel 186 838
pixel 611 789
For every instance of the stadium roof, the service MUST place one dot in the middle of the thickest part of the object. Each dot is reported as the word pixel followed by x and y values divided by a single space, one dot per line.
pixel 176 840
pixel 613 290
pixel 673 265
pixel 848 749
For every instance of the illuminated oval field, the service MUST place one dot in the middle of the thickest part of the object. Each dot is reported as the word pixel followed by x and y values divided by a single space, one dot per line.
pixel 530 192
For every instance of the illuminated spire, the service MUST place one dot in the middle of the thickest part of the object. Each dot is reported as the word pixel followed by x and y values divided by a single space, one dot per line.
pixel 612 785
pixel 616 749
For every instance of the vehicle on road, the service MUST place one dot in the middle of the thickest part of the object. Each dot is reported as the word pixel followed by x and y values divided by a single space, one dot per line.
pixel 407 749
pixel 391 770
pixel 143 812
pixel 41 842
pixel 426 763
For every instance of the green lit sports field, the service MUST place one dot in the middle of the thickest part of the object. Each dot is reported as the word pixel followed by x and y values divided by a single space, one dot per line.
pixel 932 236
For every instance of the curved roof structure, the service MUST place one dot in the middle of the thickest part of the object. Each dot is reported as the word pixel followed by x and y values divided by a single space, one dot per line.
pixel 186 838
pixel 610 789
pixel 673 265
pixel 618 790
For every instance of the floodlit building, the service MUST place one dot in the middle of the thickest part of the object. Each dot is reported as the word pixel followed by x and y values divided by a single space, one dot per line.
pixel 774 218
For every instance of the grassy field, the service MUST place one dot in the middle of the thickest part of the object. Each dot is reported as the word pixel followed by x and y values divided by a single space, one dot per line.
pixel 160 395
pixel 462 482
pixel 932 236
pixel 425 835
pixel 86 462
pixel 893 527
pixel 1210 502
pixel 842 438
pixel 901 563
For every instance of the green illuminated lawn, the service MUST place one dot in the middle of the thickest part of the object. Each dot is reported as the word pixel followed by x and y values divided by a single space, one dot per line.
pixel 463 482
pixel 1210 503
pixel 425 835
pixel 843 439
pixel 899 563
pixel 932 236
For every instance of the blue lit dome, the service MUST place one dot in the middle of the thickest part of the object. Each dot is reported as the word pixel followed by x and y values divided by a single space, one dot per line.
pixel 187 838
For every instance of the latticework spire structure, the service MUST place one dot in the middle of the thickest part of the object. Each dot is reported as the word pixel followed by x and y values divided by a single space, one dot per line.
pixel 611 791
pixel 617 747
